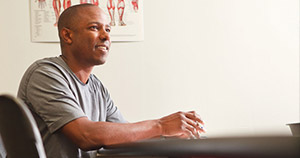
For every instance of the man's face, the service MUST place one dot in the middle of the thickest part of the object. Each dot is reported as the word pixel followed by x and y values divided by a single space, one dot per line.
pixel 90 39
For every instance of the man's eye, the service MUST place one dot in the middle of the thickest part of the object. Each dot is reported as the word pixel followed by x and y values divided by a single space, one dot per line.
pixel 107 30
pixel 94 28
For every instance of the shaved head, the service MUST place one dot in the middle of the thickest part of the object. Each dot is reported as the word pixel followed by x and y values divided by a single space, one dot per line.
pixel 84 33
pixel 71 16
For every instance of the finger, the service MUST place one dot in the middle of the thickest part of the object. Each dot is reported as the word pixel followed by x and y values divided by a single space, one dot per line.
pixel 184 136
pixel 195 125
pixel 194 116
pixel 192 123
pixel 199 135
pixel 188 134
pixel 193 132
pixel 203 129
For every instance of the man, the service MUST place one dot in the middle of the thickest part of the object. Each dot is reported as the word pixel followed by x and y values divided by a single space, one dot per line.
pixel 73 110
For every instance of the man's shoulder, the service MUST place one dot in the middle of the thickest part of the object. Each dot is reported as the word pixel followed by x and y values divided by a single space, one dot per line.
pixel 48 61
pixel 51 67
pixel 47 64
pixel 42 71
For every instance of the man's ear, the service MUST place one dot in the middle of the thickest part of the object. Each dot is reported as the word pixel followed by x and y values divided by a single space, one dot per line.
pixel 66 35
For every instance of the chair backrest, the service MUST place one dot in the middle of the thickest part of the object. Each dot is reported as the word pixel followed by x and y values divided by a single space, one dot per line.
pixel 19 132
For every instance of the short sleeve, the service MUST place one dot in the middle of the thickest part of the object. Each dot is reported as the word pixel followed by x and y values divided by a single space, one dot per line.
pixel 112 114
pixel 50 96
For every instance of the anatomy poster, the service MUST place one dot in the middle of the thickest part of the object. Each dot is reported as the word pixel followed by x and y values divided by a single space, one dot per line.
pixel 126 18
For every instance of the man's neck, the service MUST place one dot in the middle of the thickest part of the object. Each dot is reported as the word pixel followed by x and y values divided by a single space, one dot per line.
pixel 82 73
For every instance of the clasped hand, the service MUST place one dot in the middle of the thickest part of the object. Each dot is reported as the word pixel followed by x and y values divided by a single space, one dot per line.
pixel 182 125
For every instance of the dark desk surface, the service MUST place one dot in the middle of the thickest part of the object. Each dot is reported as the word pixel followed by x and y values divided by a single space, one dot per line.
pixel 242 147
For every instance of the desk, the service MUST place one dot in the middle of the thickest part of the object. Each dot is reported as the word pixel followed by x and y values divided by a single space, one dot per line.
pixel 241 147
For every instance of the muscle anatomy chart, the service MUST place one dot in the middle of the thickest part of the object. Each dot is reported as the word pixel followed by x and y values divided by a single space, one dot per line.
pixel 126 18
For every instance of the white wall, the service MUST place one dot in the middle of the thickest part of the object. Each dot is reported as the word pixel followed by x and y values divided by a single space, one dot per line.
pixel 236 62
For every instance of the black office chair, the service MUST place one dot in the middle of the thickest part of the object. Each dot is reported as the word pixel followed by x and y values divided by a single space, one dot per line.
pixel 20 135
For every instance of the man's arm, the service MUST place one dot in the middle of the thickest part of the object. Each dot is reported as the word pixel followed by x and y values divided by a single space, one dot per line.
pixel 89 135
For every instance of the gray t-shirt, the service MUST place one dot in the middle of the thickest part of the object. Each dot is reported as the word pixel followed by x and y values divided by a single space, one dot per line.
pixel 56 96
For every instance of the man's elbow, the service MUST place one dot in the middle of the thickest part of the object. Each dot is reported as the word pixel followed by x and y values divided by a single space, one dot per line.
pixel 89 142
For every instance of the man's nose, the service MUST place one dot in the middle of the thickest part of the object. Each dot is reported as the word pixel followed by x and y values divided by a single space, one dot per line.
pixel 104 35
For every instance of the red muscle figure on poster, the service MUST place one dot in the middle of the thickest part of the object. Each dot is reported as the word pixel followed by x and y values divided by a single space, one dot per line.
pixel 111 11
pixel 95 2
pixel 41 3
pixel 135 5
pixel 57 6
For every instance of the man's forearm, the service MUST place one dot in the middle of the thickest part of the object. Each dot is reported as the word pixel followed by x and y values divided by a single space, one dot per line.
pixel 116 133
pixel 90 135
